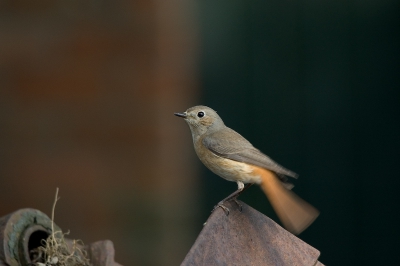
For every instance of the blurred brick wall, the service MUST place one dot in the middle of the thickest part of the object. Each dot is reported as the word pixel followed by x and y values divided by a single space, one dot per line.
pixel 87 93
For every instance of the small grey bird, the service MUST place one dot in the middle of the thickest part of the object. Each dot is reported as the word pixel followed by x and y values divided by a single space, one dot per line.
pixel 230 156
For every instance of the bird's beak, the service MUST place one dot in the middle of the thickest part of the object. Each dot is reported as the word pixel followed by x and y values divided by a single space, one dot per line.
pixel 183 115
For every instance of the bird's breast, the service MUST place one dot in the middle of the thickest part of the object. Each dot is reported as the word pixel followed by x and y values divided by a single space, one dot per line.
pixel 228 169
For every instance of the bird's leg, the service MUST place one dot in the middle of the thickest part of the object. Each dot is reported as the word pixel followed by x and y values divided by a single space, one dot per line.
pixel 233 196
pixel 240 190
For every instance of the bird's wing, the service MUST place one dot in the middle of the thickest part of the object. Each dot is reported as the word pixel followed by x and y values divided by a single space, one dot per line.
pixel 229 144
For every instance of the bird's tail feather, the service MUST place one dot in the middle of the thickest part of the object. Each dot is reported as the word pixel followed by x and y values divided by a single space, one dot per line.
pixel 295 214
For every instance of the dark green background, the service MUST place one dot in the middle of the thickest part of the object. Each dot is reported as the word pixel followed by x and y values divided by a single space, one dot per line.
pixel 315 85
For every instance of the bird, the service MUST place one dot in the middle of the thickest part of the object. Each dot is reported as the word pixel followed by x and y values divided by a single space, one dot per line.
pixel 232 157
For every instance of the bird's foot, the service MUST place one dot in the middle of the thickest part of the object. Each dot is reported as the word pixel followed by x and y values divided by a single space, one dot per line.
pixel 221 205
pixel 226 209
pixel 233 197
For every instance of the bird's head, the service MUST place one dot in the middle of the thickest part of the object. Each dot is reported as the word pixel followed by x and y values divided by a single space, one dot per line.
pixel 201 119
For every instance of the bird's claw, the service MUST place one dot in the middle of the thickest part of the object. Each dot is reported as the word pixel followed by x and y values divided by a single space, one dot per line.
pixel 238 204
pixel 226 209
pixel 221 205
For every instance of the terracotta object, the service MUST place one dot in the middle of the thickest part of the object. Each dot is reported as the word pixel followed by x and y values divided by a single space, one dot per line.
pixel 24 230
pixel 248 238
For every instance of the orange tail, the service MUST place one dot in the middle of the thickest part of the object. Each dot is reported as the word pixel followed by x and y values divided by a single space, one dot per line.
pixel 296 214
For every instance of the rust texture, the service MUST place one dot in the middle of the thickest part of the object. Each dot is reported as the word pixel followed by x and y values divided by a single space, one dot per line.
pixel 23 230
pixel 248 238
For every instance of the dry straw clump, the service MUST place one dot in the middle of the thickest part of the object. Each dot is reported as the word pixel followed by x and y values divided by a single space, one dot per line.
pixel 57 252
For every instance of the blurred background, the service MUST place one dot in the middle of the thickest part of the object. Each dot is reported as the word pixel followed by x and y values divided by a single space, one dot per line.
pixel 87 95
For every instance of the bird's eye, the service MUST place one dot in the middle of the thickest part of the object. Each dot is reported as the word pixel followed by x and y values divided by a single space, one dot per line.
pixel 200 114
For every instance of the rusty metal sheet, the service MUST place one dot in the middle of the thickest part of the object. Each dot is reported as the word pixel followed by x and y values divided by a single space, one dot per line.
pixel 247 238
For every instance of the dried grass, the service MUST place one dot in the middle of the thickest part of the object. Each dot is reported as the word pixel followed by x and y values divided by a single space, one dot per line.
pixel 56 251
